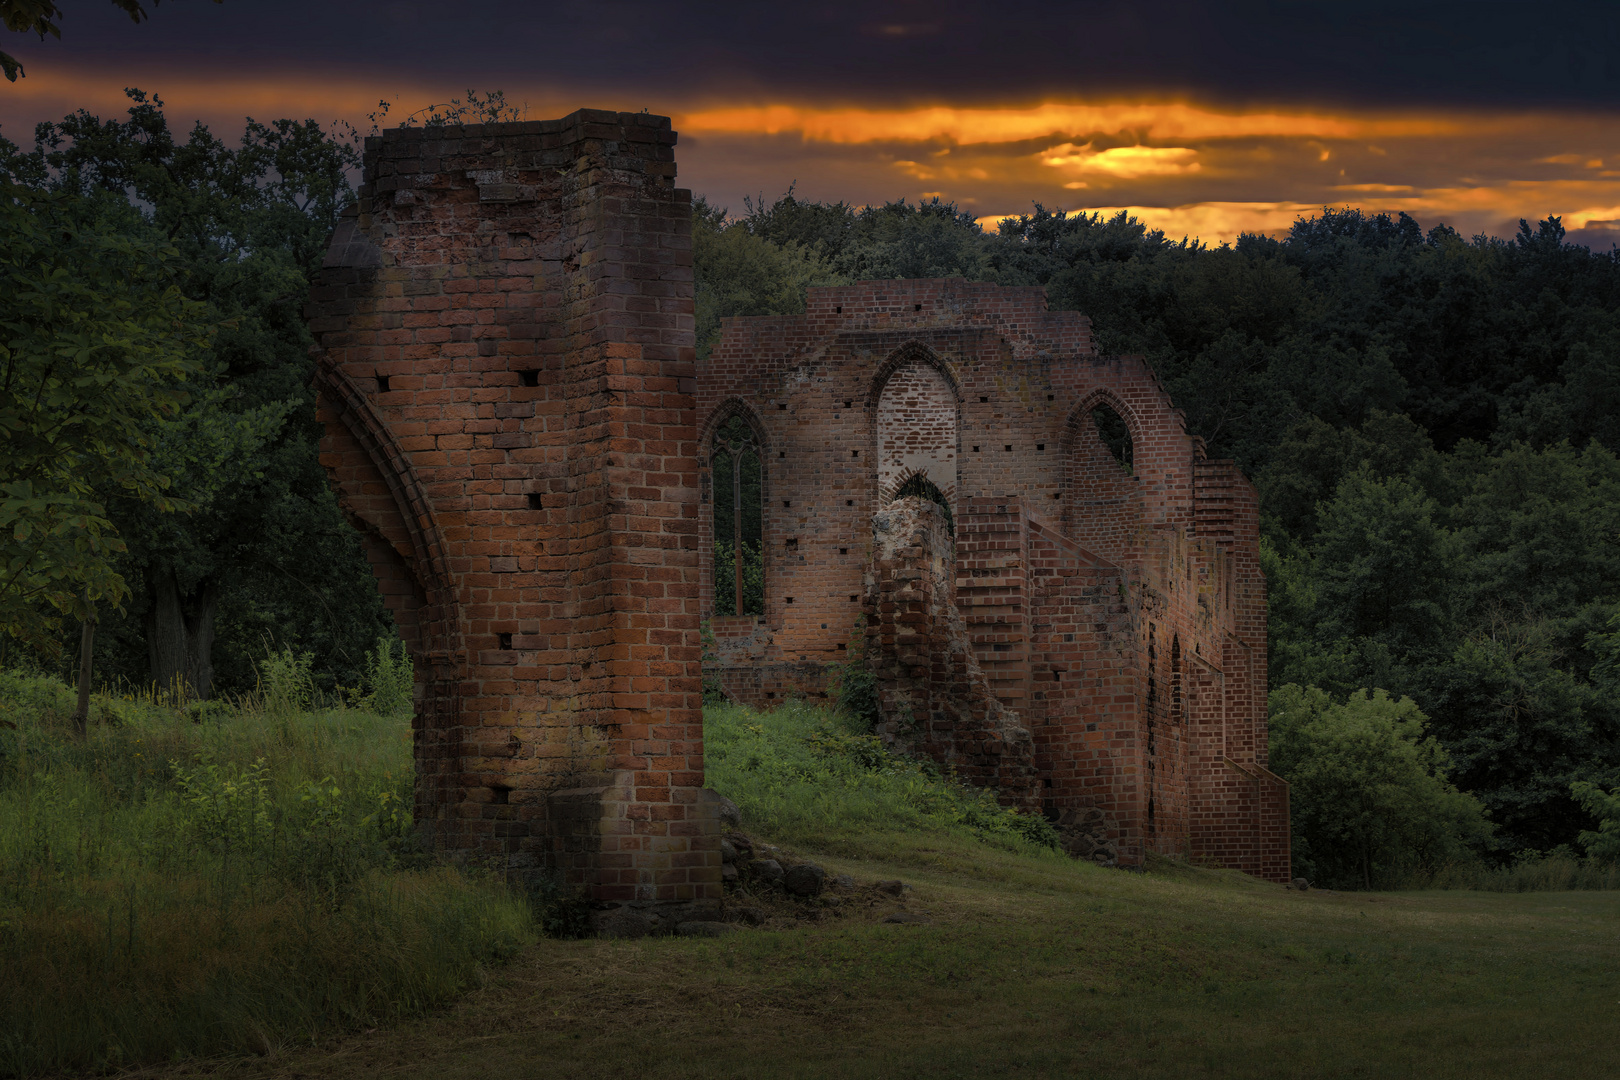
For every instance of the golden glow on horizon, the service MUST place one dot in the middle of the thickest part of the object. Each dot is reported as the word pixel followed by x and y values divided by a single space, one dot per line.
pixel 1147 120
pixel 1189 168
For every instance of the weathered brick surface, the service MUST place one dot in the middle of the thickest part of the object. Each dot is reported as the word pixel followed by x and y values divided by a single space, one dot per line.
pixel 933 695
pixel 516 422
pixel 506 364
pixel 1120 614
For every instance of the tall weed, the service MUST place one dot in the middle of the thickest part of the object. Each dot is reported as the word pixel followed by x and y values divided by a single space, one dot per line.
pixel 1531 872
pixel 176 885
pixel 390 679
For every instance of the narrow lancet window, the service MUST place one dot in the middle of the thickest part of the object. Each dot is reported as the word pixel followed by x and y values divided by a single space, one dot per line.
pixel 739 550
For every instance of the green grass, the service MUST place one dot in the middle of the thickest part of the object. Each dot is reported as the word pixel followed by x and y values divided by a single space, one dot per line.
pixel 1031 964
pixel 216 881
pixel 804 774
pixel 1042 968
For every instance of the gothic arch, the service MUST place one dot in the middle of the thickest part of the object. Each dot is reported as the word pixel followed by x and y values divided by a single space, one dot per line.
pixel 1075 427
pixel 746 568
pixel 731 406
pixel 911 352
pixel 916 424
pixel 428 564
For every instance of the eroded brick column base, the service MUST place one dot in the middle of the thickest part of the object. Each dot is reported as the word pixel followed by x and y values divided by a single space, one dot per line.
pixel 932 695
pixel 506 378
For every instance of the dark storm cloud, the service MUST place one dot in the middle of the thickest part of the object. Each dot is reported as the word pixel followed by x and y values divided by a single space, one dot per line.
pixel 1490 54
pixel 1206 120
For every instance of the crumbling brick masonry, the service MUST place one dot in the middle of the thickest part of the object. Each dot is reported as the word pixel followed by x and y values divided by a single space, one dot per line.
pixel 1110 595
pixel 505 376
pixel 517 424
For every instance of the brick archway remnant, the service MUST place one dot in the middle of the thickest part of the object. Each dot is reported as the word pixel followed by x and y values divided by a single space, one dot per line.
pixel 505 374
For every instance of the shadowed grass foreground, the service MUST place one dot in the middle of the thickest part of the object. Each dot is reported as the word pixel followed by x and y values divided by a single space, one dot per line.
pixel 228 880
pixel 1029 964
pixel 1033 967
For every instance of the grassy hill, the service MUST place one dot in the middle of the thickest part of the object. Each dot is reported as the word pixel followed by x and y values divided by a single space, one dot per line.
pixel 1018 960
pixel 1035 967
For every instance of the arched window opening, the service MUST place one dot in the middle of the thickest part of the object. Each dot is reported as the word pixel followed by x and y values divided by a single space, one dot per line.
pixel 739 548
pixel 919 485
pixel 1116 435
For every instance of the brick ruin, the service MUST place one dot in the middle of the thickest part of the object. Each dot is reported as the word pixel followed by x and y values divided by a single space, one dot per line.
pixel 1083 632
pixel 517 424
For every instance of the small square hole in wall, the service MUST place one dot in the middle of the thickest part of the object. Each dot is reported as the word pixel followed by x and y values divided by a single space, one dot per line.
pixel 1040 446
pixel 790 599
pixel 382 384
pixel 793 543
pixel 1091 727
pixel 781 453
pixel 975 449
pixel 1051 397
pixel 536 501
pixel 772 693
pixel 843 551
pixel 824 626
pixel 854 453
pixel 529 377
pixel 1057 676
pixel 782 405
pixel 847 404
pixel 840 644
pixel 849 502
pixel 852 598
pixel 505 640
pixel 1057 495
pixel 786 503
pixel 839 310
pixel 1006 447
pixel 1068 637
pixel 983 400
pixel 916 307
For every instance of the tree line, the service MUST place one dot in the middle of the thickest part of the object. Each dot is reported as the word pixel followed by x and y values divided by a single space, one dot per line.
pixel 1432 422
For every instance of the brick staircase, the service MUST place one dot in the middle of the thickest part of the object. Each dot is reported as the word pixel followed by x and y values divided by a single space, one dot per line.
pixel 992 593
pixel 1215 493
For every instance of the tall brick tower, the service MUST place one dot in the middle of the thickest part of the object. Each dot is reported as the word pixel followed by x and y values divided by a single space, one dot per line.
pixel 505 375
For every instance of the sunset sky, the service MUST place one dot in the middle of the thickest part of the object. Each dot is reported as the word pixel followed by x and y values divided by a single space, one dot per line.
pixel 1202 119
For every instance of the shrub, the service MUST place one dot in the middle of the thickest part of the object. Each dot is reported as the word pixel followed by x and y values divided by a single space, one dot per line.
pixel 1603 845
pixel 1371 802
pixel 852 684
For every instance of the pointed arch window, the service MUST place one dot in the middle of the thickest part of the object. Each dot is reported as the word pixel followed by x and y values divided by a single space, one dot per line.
pixel 739 549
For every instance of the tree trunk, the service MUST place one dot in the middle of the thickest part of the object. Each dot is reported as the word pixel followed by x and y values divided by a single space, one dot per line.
pixel 180 635
pixel 87 640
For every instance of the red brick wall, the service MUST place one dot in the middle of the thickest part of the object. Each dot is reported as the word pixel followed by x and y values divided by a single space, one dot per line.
pixel 1074 576
pixel 506 377
pixel 916 429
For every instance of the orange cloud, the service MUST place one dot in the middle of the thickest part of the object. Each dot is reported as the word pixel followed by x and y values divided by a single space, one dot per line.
pixel 1151 120
pixel 1125 162
pixel 1187 167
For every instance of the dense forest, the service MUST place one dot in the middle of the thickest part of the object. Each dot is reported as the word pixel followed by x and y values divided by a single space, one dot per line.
pixel 1432 421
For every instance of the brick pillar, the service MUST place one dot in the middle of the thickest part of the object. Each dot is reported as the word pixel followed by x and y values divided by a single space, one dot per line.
pixel 505 358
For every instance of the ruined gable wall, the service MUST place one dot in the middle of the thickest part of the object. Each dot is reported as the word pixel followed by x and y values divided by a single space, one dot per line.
pixel 1074 577
pixel 505 334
